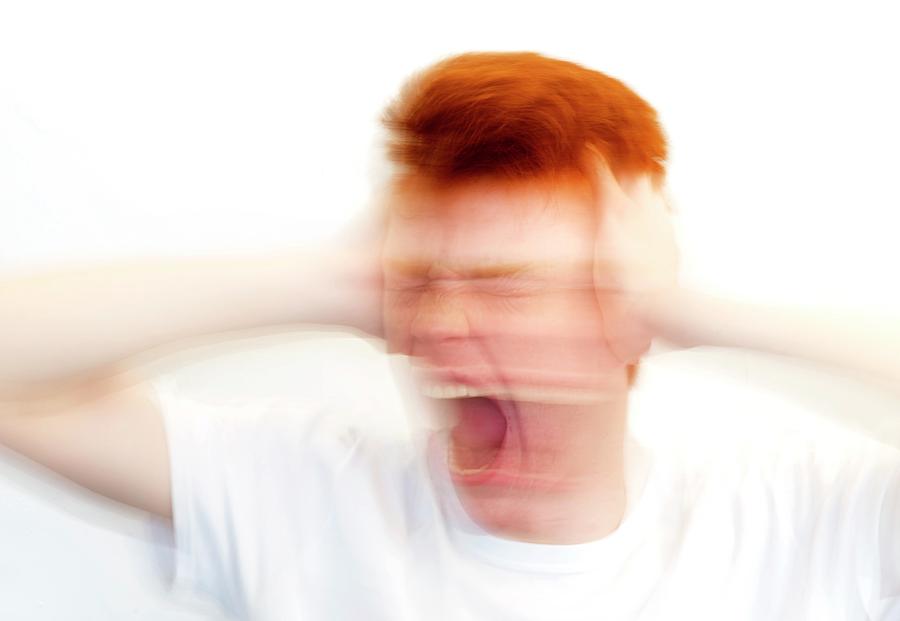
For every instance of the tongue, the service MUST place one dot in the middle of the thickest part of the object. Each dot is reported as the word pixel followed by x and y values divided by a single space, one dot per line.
pixel 478 434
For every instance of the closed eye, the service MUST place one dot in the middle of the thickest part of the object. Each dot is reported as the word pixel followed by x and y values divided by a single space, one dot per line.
pixel 506 286
pixel 406 284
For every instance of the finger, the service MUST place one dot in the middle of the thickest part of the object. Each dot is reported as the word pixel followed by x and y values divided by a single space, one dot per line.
pixel 612 196
pixel 643 192
pixel 625 336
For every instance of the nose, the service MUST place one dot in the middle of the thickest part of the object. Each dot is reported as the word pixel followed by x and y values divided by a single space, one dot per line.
pixel 440 315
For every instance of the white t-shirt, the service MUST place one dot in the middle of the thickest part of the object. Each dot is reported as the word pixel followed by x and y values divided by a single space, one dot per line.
pixel 282 515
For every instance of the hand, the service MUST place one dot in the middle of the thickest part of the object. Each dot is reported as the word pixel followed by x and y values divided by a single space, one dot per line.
pixel 635 261
pixel 355 275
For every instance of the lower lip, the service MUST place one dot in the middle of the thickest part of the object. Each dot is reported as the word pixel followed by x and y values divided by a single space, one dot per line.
pixel 498 474
pixel 491 477
pixel 487 476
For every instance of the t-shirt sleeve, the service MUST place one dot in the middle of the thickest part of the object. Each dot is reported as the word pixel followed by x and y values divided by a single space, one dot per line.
pixel 867 490
pixel 240 472
pixel 200 436
pixel 888 604
pixel 844 490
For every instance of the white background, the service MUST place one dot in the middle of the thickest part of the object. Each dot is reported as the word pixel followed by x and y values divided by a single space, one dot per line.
pixel 194 127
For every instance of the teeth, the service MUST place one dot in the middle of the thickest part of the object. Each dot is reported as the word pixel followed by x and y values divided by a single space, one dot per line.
pixel 452 391
pixel 535 395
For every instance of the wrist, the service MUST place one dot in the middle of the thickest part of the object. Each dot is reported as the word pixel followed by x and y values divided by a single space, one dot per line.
pixel 672 314
pixel 339 287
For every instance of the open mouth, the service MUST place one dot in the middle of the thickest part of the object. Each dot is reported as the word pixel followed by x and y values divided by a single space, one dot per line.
pixel 495 426
pixel 507 436
pixel 479 435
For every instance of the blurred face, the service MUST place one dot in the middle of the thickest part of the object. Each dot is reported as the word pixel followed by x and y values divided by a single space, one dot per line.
pixel 490 290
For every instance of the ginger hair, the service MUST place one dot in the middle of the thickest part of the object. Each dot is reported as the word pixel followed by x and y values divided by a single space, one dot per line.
pixel 520 116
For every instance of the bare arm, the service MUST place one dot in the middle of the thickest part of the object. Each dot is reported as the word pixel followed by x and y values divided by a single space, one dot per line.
pixel 70 326
pixel 71 401
pixel 637 286
pixel 640 298
pixel 867 346
pixel 107 436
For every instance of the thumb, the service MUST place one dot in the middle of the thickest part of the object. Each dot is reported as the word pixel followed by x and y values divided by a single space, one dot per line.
pixel 611 197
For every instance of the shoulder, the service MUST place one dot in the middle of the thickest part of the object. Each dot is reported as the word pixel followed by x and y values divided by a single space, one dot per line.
pixel 278 430
pixel 797 493
pixel 255 478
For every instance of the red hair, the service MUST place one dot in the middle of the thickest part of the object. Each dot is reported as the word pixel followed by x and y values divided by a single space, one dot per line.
pixel 520 116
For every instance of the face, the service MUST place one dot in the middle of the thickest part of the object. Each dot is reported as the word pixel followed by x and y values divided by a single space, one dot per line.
pixel 490 290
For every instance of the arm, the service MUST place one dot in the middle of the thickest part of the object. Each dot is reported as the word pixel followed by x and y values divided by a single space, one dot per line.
pixel 637 286
pixel 866 346
pixel 66 328
pixel 69 399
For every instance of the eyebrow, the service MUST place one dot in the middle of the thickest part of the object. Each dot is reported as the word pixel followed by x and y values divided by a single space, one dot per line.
pixel 493 270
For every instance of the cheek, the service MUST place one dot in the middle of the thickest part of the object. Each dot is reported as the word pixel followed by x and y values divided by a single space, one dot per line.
pixel 397 313
pixel 566 315
pixel 562 331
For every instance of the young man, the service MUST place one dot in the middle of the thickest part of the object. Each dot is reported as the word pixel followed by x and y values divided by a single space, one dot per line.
pixel 526 262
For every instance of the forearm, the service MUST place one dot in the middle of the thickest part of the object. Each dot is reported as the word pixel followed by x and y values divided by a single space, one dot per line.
pixel 73 323
pixel 867 346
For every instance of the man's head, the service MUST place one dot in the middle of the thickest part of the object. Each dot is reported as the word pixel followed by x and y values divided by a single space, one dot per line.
pixel 514 124
pixel 489 262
